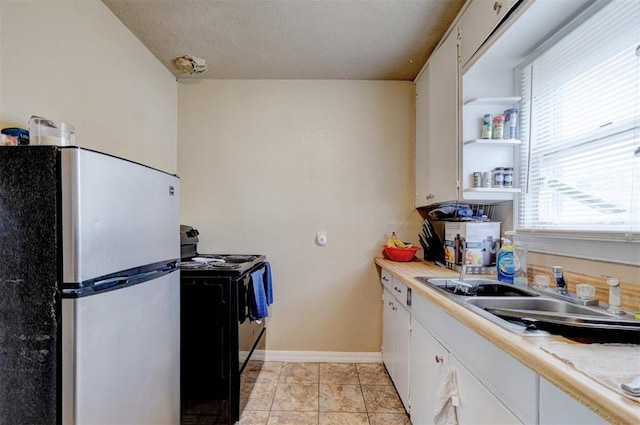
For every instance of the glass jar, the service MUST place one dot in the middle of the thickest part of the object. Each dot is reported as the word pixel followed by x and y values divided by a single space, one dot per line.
pixel 498 127
pixel 498 177
pixel 507 177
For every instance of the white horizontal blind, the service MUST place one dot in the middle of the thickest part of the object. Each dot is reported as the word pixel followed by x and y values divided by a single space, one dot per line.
pixel 580 127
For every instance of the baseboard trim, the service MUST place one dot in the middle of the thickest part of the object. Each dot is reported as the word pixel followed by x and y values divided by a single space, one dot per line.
pixel 318 356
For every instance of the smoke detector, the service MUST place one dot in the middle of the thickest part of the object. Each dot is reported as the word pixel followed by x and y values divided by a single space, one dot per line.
pixel 190 64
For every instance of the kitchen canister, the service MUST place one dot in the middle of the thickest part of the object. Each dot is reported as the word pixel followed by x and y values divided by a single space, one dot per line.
pixel 477 179
pixel 507 177
pixel 487 123
pixel 498 127
pixel 510 123
pixel 498 177
pixel 44 131
pixel 487 179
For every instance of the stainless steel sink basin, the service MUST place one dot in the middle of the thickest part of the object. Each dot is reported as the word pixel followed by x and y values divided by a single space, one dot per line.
pixel 482 287
pixel 530 313
pixel 537 304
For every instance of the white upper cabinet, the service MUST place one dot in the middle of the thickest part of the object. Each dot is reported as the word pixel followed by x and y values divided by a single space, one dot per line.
pixel 437 121
pixel 477 23
pixel 422 139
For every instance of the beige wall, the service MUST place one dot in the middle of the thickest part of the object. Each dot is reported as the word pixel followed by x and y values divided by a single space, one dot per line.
pixel 73 61
pixel 266 164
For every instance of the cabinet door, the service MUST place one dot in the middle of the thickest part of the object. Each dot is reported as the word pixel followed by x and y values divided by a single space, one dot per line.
pixel 396 325
pixel 422 139
pixel 428 363
pixel 388 356
pixel 477 23
pixel 444 112
pixel 558 408
pixel 402 347
pixel 477 404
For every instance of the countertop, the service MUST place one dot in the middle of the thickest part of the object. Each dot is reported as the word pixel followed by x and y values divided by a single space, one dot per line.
pixel 612 406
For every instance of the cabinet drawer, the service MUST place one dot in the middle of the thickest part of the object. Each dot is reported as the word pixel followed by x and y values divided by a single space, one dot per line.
pixel 509 380
pixel 395 287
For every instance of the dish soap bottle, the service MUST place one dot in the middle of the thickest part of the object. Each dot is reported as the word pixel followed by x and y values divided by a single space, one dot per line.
pixel 505 263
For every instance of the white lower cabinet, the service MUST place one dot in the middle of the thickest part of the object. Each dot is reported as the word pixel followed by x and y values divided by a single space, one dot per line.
pixel 558 408
pixel 477 404
pixel 508 380
pixel 396 322
pixel 428 363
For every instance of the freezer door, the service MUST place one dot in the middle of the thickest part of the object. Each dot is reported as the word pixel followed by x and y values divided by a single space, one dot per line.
pixel 116 215
pixel 121 355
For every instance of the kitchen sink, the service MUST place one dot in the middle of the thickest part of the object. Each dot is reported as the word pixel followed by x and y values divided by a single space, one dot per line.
pixel 530 313
pixel 483 287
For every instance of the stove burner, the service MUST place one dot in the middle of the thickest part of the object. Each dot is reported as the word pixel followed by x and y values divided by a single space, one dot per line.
pixel 230 258
pixel 218 264
pixel 191 264
pixel 237 258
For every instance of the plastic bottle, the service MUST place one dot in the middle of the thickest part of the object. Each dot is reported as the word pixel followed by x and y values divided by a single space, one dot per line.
pixel 505 263
pixel 520 264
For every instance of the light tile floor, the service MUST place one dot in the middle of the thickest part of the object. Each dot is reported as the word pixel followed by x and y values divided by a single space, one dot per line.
pixel 320 394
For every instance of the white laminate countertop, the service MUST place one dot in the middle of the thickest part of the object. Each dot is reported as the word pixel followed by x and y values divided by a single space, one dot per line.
pixel 609 404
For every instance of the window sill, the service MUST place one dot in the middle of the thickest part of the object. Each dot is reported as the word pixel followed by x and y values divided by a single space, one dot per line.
pixel 623 248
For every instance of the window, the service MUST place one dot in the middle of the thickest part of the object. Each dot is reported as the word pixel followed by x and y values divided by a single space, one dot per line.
pixel 580 127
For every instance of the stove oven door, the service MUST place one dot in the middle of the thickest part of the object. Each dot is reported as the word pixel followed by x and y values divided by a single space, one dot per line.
pixel 251 338
pixel 251 343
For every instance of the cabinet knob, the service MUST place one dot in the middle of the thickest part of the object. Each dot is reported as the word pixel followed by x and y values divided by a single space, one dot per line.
pixel 497 6
pixel 395 288
pixel 430 197
pixel 439 359
pixel 385 279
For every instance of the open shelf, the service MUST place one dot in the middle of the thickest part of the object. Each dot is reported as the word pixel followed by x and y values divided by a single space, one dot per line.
pixel 493 100
pixel 492 190
pixel 494 142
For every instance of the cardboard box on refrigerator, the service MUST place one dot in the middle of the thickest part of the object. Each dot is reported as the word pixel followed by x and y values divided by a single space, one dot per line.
pixel 481 241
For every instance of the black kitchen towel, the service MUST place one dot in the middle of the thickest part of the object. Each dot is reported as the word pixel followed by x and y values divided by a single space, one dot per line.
pixel 268 285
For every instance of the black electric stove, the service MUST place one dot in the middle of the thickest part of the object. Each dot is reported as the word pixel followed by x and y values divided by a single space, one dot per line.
pixel 218 338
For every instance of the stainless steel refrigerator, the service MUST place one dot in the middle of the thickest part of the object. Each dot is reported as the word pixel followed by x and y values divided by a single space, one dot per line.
pixel 90 291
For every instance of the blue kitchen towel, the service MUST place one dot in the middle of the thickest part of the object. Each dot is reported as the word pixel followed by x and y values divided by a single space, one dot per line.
pixel 258 305
pixel 268 286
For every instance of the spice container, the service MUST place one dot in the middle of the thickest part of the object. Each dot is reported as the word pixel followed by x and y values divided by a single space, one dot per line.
pixel 487 179
pixel 498 127
pixel 498 177
pixel 487 122
pixel 510 123
pixel 507 177
pixel 477 179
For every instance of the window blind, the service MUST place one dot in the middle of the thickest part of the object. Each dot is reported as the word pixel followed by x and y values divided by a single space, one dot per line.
pixel 580 127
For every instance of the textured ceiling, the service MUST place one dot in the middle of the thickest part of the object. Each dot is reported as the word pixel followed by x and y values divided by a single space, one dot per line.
pixel 291 39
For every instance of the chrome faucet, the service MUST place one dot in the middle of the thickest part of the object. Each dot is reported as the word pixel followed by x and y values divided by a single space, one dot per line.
pixel 462 286
pixel 561 284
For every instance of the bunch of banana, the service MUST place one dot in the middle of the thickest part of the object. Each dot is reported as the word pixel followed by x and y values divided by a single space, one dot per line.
pixel 395 242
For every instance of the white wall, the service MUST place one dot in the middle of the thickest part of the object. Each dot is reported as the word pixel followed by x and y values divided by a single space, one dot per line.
pixel 74 61
pixel 266 164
